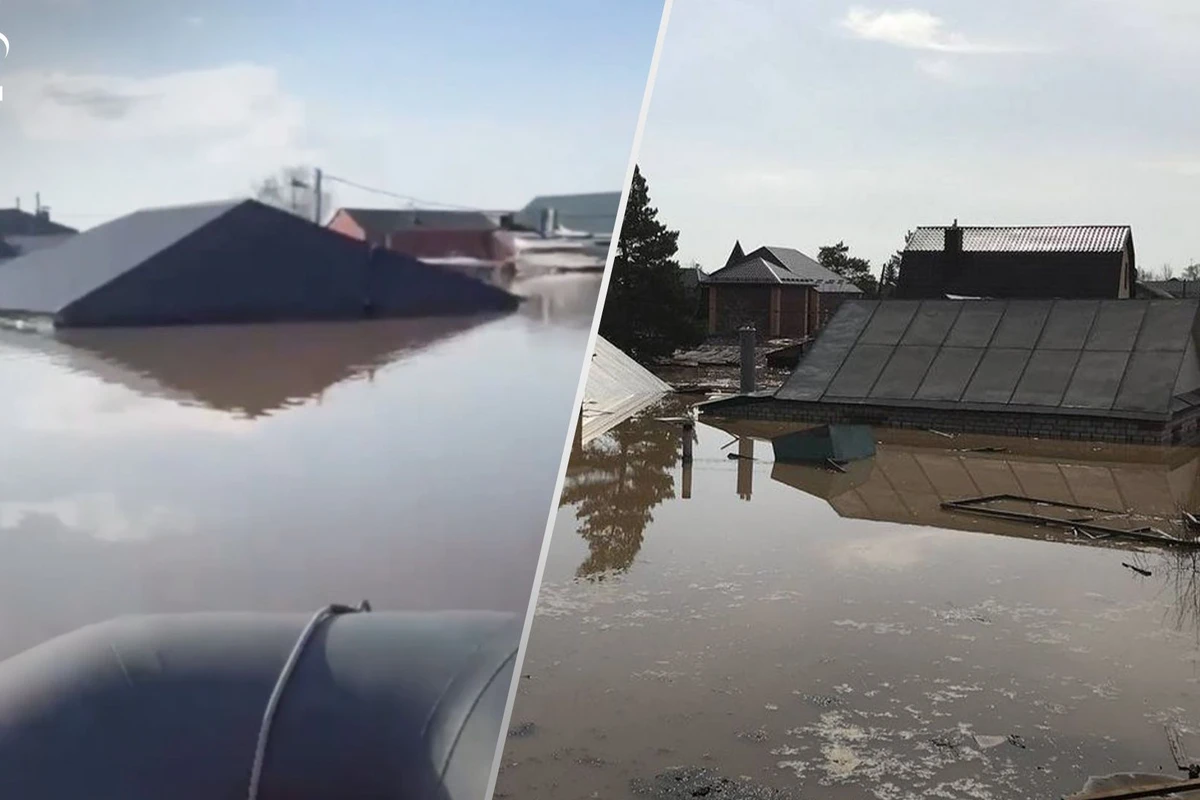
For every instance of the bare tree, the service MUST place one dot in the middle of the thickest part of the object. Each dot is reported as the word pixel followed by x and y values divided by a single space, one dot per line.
pixel 292 189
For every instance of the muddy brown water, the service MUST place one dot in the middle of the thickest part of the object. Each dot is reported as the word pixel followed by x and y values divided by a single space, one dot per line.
pixel 813 635
pixel 283 467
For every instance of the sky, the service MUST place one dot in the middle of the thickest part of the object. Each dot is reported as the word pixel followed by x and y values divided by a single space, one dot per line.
pixel 805 124
pixel 114 105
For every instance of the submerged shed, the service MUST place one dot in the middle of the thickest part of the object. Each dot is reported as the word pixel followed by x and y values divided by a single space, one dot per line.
pixel 1109 370
pixel 239 261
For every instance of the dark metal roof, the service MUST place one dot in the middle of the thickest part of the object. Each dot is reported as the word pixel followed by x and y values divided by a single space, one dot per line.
pixel 382 221
pixel 756 270
pixel 1027 239
pixel 46 281
pixel 16 221
pixel 782 265
pixel 1120 358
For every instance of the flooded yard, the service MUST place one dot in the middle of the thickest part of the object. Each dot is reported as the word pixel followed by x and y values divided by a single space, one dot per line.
pixel 736 628
pixel 283 467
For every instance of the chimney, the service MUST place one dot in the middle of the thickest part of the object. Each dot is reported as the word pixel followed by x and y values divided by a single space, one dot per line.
pixel 549 221
pixel 953 240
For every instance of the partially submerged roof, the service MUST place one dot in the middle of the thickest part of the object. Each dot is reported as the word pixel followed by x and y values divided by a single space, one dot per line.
pixel 617 388
pixel 378 222
pixel 781 266
pixel 239 261
pixel 1133 359
pixel 589 212
pixel 1026 239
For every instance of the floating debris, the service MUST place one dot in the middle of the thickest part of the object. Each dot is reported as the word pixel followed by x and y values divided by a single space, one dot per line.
pixel 686 783
pixel 1147 573
pixel 522 731
pixel 1130 786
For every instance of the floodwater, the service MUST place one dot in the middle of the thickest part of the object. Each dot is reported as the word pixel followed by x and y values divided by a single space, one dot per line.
pixel 798 632
pixel 283 467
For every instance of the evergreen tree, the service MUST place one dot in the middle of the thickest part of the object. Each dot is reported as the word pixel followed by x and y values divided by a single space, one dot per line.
pixel 648 312
pixel 836 258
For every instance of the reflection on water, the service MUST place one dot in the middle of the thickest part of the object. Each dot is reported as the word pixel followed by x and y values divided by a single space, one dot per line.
pixel 614 483
pixel 841 635
pixel 281 467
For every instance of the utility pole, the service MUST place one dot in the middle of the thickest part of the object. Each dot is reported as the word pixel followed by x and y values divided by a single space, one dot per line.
pixel 317 214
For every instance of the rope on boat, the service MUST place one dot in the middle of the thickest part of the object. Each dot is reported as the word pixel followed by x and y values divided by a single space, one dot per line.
pixel 289 666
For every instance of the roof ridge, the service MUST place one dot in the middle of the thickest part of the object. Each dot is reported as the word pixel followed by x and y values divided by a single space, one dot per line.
pixel 1002 227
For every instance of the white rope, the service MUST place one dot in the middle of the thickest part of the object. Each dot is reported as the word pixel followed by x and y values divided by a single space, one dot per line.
pixel 264 731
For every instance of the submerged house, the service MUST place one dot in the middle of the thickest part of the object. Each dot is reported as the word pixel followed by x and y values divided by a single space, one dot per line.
pixel 238 261
pixel 1060 261
pixel 1103 370
pixel 593 213
pixel 465 238
pixel 780 291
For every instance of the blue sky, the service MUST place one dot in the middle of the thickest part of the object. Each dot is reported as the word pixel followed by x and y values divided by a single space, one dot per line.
pixel 115 105
pixel 801 124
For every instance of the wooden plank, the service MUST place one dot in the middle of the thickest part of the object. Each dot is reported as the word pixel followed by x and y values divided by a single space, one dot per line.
pixel 1176 787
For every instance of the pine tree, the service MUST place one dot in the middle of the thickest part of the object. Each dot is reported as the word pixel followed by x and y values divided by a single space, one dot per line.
pixel 836 258
pixel 648 312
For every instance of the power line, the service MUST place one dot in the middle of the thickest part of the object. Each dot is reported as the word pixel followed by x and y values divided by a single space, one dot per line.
pixel 405 197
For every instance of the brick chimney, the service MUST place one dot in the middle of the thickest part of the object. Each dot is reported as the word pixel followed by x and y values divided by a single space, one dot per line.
pixel 953 243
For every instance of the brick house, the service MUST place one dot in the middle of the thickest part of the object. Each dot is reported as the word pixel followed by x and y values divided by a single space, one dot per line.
pixel 1063 261
pixel 430 234
pixel 780 291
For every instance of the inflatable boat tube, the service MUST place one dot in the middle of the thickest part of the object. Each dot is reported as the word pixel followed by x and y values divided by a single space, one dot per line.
pixel 375 706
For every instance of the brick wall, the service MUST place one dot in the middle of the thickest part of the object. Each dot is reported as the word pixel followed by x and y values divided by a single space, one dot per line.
pixel 793 311
pixel 739 305
pixel 1180 431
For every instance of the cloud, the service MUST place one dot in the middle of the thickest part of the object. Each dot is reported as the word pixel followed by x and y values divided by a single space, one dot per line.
pixel 193 21
pixel 917 30
pixel 227 112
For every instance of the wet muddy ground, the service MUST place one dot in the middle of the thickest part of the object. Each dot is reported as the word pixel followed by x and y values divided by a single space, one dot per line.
pixel 283 467
pixel 725 634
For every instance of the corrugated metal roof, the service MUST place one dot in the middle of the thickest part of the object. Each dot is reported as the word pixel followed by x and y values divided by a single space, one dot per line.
pixel 1120 358
pixel 1026 239
pixel 617 388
